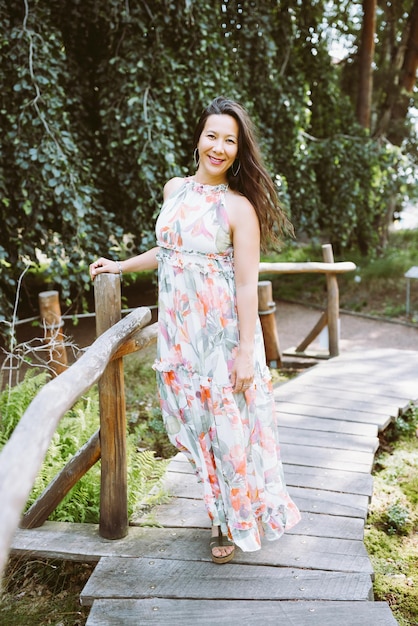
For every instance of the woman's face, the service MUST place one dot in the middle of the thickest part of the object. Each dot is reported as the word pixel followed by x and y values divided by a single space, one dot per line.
pixel 218 146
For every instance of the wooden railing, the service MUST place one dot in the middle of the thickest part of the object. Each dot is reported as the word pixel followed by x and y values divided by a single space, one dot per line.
pixel 329 318
pixel 22 456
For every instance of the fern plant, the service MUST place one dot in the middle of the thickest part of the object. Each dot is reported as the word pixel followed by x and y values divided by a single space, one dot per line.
pixel 15 400
pixel 82 503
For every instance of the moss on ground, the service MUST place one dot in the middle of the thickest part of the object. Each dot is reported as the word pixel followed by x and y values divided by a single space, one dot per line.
pixel 391 536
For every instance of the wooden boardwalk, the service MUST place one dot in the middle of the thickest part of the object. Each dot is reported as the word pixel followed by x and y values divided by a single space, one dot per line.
pixel 318 574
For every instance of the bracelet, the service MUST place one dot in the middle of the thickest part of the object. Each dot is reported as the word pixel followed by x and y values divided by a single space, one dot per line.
pixel 120 270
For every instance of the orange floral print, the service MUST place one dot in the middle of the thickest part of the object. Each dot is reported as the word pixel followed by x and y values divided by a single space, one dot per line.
pixel 230 439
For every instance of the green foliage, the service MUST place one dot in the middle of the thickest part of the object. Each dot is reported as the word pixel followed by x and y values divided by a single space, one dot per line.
pixel 15 400
pixel 82 503
pixel 97 106
pixel 376 287
pixel 405 425
pixel 142 404
pixel 391 530
pixel 397 519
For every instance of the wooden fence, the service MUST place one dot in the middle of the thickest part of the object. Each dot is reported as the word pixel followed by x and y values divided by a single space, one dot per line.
pixel 22 456
pixel 329 318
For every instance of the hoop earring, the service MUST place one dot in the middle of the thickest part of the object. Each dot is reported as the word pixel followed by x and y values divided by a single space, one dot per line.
pixel 237 170
pixel 196 157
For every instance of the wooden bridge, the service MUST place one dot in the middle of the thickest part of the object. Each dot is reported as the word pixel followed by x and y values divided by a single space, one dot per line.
pixel 318 574
pixel 159 570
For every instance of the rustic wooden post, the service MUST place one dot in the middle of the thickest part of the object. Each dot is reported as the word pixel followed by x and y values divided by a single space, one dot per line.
pixel 266 311
pixel 113 495
pixel 50 314
pixel 333 303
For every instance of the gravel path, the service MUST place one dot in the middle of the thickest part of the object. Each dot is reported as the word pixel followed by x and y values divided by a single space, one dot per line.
pixel 357 332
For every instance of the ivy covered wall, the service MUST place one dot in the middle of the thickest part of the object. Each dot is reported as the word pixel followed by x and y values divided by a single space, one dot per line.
pixel 98 105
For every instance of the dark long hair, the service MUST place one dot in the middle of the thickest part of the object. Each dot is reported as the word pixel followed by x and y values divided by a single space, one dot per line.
pixel 252 180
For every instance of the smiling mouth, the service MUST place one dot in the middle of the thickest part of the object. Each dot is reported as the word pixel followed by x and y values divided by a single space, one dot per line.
pixel 215 160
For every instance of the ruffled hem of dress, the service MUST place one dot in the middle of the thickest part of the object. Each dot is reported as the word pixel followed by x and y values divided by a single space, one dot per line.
pixel 269 526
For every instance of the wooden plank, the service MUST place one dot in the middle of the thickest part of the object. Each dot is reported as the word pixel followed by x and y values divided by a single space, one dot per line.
pixel 188 513
pixel 381 421
pixel 328 479
pixel 393 377
pixel 296 474
pixel 336 526
pixel 329 502
pixel 180 464
pixel 308 500
pixel 321 397
pixel 309 422
pixel 350 460
pixel 358 386
pixel 313 553
pixel 395 368
pixel 318 354
pixel 338 388
pixel 182 485
pixel 159 578
pixel 323 439
pixel 81 542
pixel 307 267
pixel 406 361
pixel 169 612
pixel 186 485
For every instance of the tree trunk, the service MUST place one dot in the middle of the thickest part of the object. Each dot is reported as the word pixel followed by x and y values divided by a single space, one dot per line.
pixel 395 109
pixel 365 88
pixel 410 64
pixel 396 132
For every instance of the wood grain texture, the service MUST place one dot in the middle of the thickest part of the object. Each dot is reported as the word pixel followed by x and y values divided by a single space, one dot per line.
pixel 324 439
pixel 189 513
pixel 169 612
pixel 310 422
pixel 118 577
pixel 82 542
pixel 113 474
pixel 307 268
pixel 39 422
pixel 317 574
pixel 297 407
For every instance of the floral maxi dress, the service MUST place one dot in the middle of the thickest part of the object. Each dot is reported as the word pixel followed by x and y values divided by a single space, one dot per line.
pixel 230 439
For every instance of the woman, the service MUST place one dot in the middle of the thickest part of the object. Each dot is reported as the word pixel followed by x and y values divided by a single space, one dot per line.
pixel 214 385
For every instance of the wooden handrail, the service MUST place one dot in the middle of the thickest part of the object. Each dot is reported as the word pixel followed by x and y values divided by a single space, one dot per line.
pixel 330 317
pixel 313 267
pixel 102 359
pixel 22 456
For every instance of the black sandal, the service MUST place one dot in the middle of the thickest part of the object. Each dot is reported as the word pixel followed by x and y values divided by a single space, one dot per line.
pixel 220 542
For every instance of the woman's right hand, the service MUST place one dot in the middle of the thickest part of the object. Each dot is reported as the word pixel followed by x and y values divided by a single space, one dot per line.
pixel 102 266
